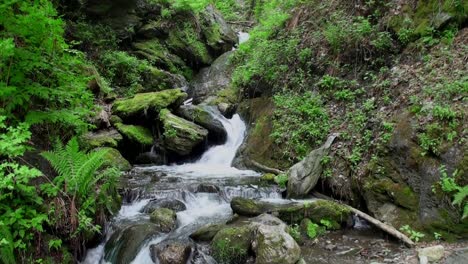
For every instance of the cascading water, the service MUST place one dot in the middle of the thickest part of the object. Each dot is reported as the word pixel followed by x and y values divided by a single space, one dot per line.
pixel 182 182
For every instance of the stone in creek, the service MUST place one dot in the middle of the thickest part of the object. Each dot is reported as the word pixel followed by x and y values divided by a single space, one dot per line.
pixel 207 188
pixel 231 245
pixel 173 253
pixel 172 204
pixel 164 218
pixel 201 116
pixel 432 254
pixel 207 232
pixel 124 244
pixel 250 207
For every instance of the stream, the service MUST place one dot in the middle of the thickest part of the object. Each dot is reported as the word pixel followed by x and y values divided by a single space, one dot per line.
pixel 186 183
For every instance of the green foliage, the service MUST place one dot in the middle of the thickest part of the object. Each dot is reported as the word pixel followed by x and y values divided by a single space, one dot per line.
pixel 300 122
pixel 413 234
pixel 294 231
pixel 459 193
pixel 124 71
pixel 314 230
pixel 281 180
pixel 40 77
pixel 327 223
pixel 20 203
pixel 340 33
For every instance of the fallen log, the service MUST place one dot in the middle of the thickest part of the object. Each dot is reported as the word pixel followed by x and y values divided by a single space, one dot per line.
pixel 265 168
pixel 382 226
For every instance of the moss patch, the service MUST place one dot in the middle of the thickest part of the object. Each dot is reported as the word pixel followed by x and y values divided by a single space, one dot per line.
pixel 137 134
pixel 113 158
pixel 231 245
pixel 141 103
pixel 316 211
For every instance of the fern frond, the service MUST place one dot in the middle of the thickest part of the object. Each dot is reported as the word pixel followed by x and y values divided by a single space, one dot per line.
pixel 460 195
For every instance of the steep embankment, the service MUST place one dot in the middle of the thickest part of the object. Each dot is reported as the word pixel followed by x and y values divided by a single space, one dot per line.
pixel 390 78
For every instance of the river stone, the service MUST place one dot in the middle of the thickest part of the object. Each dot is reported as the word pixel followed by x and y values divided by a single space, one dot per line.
pixel 181 136
pixel 173 253
pixel 432 254
pixel 143 104
pixel 231 245
pixel 218 33
pixel 124 244
pixel 227 110
pixel 303 176
pixel 251 207
pixel 155 79
pixel 203 117
pixel 101 138
pixel 172 204
pixel 458 256
pixel 164 219
pixel 207 188
pixel 207 232
pixel 273 245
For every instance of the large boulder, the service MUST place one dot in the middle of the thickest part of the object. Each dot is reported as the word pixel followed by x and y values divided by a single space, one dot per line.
pixel 205 118
pixel 155 80
pixel 136 134
pixel 172 204
pixel 231 245
pixel 209 81
pixel 154 51
pixel 273 245
pixel 148 103
pixel 171 253
pixel 251 207
pixel 164 219
pixel 124 244
pixel 101 138
pixel 303 176
pixel 218 34
pixel 181 136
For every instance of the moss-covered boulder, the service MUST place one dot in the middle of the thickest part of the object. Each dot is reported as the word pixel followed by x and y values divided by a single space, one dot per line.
pixel 231 245
pixel 251 207
pixel 173 204
pixel 164 219
pixel 273 245
pixel 316 211
pixel 155 80
pixel 113 158
pixel 124 244
pixel 101 138
pixel 148 103
pixel 203 117
pixel 207 232
pixel 181 136
pixel 218 34
pixel 268 177
pixel 137 134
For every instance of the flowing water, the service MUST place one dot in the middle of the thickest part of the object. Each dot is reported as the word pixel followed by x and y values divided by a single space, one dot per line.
pixel 182 182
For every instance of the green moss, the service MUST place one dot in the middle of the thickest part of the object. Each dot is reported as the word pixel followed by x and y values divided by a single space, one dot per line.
pixel 113 158
pixel 141 103
pixel 115 120
pixel 231 245
pixel 316 211
pixel 399 193
pixel 99 139
pixel 269 177
pixel 229 96
pixel 136 133
pixel 165 218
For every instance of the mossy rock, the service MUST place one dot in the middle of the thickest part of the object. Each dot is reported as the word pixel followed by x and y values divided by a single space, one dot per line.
pixel 101 138
pixel 115 120
pixel 316 211
pixel 164 218
pixel 231 245
pixel 399 193
pixel 155 79
pixel 137 134
pixel 268 177
pixel 202 116
pixel 113 158
pixel 207 232
pixel 142 104
pixel 181 136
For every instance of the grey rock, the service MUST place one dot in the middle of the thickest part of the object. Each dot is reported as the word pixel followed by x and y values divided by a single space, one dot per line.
pixel 458 256
pixel 432 254
pixel 207 232
pixel 303 176
pixel 172 253
pixel 164 219
pixel 204 117
pixel 172 204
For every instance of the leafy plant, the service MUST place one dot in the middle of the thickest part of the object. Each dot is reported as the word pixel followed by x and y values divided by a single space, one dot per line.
pixel 281 180
pixel 414 235
pixel 460 194
pixel 295 232
pixel 314 230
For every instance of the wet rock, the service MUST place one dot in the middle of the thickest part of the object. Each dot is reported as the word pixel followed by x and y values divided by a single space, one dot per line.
pixel 219 35
pixel 432 254
pixel 227 110
pixel 136 134
pixel 202 116
pixel 155 80
pixel 155 51
pixel 148 103
pixel 458 256
pixel 101 119
pixel 164 219
pixel 113 158
pixel 151 158
pixel 181 136
pixel 207 232
pixel 172 204
pixel 124 245
pixel 101 138
pixel 209 81
pixel 173 253
pixel 231 245
pixel 317 210
pixel 207 188
pixel 269 177
pixel 303 176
